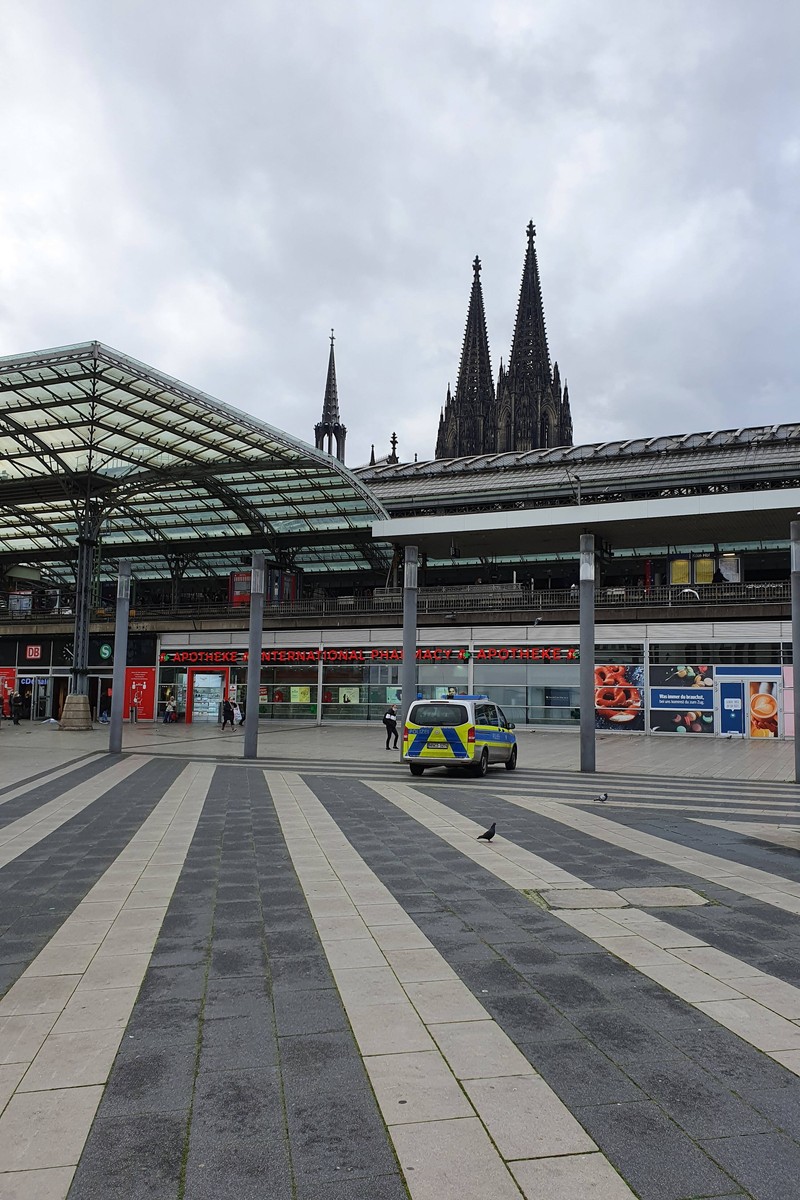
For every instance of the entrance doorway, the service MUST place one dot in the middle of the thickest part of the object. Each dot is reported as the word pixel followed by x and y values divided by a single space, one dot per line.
pixel 206 693
pixel 100 697
pixel 750 703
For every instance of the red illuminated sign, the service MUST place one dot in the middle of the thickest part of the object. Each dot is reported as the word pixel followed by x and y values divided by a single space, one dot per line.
pixel 368 654
pixel 33 652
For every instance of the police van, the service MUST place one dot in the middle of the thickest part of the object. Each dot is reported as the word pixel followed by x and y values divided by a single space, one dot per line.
pixel 467 732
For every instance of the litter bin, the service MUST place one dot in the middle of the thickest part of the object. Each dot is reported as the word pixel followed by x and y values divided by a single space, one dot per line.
pixel 133 714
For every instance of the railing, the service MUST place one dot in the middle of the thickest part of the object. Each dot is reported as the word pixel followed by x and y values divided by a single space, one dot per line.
pixel 443 602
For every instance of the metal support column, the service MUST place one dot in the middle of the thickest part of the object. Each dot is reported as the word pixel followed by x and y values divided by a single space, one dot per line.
pixel 254 656
pixel 83 605
pixel 587 652
pixel 320 666
pixel 795 565
pixel 120 657
pixel 408 672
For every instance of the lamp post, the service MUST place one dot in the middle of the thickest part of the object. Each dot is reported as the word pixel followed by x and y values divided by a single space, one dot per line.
pixel 795 577
pixel 120 657
pixel 587 652
pixel 408 672
pixel 254 656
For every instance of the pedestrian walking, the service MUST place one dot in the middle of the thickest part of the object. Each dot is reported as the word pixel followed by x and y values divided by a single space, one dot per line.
pixel 227 713
pixel 169 712
pixel 16 707
pixel 390 723
pixel 237 714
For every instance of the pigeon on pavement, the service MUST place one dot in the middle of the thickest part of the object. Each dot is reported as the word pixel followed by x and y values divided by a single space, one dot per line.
pixel 489 834
pixel 601 799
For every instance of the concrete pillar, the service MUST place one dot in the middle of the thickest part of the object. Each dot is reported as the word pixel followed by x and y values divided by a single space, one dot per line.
pixel 83 604
pixel 795 564
pixel 254 656
pixel 408 673
pixel 320 668
pixel 120 658
pixel 587 652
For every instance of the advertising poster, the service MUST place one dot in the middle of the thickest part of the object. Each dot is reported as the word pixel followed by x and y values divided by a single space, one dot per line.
pixel 763 708
pixel 619 697
pixel 140 692
pixel 301 695
pixel 394 695
pixel 348 695
pixel 682 698
pixel 8 683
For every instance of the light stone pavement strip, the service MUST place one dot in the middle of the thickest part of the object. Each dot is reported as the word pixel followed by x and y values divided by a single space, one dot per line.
pixel 749 881
pixel 62 1022
pixel 468 1115
pixel 759 1008
pixel 765 831
pixel 26 832
pixel 27 785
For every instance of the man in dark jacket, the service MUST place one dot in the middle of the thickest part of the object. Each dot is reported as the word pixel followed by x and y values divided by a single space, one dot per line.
pixel 227 713
pixel 390 722
pixel 16 707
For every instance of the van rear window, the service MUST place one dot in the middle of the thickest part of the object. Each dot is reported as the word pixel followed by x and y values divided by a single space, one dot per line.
pixel 439 714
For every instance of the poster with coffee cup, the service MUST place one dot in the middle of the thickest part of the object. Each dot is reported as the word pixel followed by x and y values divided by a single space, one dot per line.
pixel 763 709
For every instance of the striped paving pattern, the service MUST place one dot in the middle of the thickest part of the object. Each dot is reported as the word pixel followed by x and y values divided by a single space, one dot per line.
pixel 219 980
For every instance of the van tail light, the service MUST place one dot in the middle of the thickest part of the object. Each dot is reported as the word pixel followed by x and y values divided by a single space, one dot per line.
pixel 406 734
pixel 471 736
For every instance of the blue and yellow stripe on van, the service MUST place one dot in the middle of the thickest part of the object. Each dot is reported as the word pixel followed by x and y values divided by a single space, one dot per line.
pixel 447 743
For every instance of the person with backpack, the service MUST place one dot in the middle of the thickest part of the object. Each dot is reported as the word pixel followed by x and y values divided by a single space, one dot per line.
pixel 390 724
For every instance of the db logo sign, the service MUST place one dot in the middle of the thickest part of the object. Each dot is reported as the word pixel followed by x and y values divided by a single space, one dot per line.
pixel 33 652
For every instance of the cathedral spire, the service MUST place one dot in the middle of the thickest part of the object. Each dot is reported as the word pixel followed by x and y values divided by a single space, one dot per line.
pixel 468 424
pixel 531 411
pixel 530 356
pixel 330 429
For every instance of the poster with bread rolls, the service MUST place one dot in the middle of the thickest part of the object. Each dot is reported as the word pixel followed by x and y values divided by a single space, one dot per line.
pixel 619 697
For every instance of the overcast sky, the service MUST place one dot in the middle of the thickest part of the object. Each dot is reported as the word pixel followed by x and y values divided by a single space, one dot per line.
pixel 211 186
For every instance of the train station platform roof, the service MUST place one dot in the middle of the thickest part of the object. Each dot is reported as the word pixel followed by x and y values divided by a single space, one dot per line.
pixel 723 520
pixel 95 444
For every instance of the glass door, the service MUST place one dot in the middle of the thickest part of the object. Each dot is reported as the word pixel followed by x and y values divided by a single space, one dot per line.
pixel 208 691
pixel 41 701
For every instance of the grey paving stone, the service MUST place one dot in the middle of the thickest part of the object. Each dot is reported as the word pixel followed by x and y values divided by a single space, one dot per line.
pixel 237 958
pixel 163 1022
pixel 317 1011
pixel 373 1187
pixel 240 996
pixel 237 1145
pixel 173 983
pixel 334 1126
pixel 148 1079
pixel 238 1043
pixel 656 1158
pixel 579 1073
pixel 767 1165
pixel 297 974
pixel 696 1100
pixel 132 1158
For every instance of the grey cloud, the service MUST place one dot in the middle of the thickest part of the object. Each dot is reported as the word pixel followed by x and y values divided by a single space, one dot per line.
pixel 212 187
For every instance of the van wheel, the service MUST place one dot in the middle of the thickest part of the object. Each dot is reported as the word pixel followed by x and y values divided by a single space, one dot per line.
pixel 511 761
pixel 482 765
pixel 416 768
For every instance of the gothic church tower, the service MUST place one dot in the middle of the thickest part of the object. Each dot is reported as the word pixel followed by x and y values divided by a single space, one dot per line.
pixel 530 410
pixel 467 422
pixel 330 429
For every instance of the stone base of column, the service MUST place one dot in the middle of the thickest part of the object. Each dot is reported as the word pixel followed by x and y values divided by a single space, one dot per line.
pixel 76 715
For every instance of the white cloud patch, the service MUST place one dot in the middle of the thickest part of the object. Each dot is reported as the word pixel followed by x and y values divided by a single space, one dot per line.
pixel 212 187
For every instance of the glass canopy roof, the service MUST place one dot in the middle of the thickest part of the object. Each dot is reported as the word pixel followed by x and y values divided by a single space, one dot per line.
pixel 94 443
